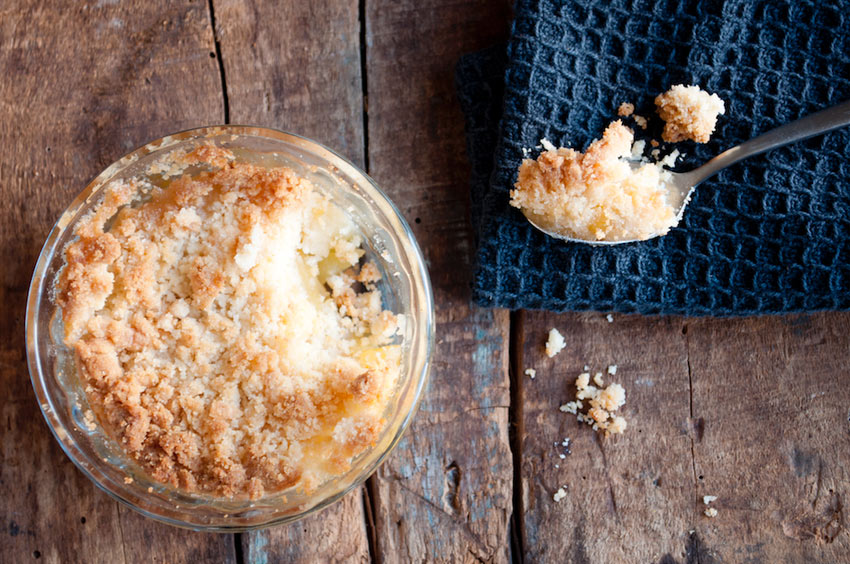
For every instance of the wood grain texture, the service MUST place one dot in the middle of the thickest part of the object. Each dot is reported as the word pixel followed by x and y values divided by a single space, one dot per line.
pixel 772 396
pixel 88 83
pixel 445 493
pixel 630 498
pixel 296 66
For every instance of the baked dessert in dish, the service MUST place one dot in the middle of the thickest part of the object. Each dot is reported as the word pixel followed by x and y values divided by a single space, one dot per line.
pixel 227 330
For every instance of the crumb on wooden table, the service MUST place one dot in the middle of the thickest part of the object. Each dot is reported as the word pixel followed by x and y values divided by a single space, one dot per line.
pixel 555 343
pixel 531 373
pixel 710 512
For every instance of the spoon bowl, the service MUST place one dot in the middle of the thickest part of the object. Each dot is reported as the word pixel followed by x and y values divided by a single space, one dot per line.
pixel 680 186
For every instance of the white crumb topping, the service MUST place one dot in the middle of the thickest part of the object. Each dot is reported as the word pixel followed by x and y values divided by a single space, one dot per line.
pixel 530 372
pixel 612 369
pixel 706 499
pixel 560 494
pixel 547 145
pixel 555 343
pixel 603 402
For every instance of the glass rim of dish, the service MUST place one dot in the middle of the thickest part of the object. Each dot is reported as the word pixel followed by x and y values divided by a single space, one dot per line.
pixel 182 516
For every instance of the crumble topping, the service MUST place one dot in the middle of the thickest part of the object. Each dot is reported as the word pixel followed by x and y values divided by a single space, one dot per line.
pixel 610 192
pixel 595 195
pixel 225 332
pixel 626 109
pixel 560 494
pixel 689 113
pixel 555 343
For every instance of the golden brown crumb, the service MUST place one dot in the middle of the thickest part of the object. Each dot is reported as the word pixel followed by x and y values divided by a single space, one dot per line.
pixel 218 332
pixel 640 120
pixel 560 494
pixel 603 403
pixel 626 109
pixel 595 195
pixel 689 113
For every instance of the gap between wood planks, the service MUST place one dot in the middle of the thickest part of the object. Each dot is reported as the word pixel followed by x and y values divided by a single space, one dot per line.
pixel 368 488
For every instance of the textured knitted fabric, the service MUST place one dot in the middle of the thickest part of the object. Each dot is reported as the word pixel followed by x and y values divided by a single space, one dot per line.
pixel 769 235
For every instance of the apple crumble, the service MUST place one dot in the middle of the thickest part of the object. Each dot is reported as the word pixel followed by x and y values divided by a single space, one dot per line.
pixel 596 195
pixel 229 335
pixel 689 113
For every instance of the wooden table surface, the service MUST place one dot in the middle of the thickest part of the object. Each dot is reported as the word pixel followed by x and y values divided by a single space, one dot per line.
pixel 753 411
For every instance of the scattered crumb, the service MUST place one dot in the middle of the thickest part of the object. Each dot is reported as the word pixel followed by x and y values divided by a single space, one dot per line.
pixel 654 143
pixel 150 489
pixel 640 120
pixel 610 319
pixel 586 368
pixel 531 372
pixel 546 144
pixel 710 512
pixel 128 480
pixel 555 343
pixel 706 499
pixel 560 494
pixel 220 329
pixel 612 370
pixel 602 404
pixel 626 109
pixel 637 149
pixel 689 113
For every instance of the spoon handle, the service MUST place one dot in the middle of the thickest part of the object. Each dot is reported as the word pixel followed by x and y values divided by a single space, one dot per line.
pixel 817 123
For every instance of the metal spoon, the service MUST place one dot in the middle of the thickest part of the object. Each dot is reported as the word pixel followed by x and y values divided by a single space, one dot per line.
pixel 681 185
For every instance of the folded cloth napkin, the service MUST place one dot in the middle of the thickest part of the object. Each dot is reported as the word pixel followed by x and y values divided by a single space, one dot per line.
pixel 769 235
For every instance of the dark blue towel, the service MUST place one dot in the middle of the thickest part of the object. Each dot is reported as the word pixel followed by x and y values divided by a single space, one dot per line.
pixel 769 235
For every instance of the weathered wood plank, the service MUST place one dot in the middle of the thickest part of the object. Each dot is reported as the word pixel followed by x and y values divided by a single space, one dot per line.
pixel 629 498
pixel 296 66
pixel 771 396
pixel 83 84
pixel 445 494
